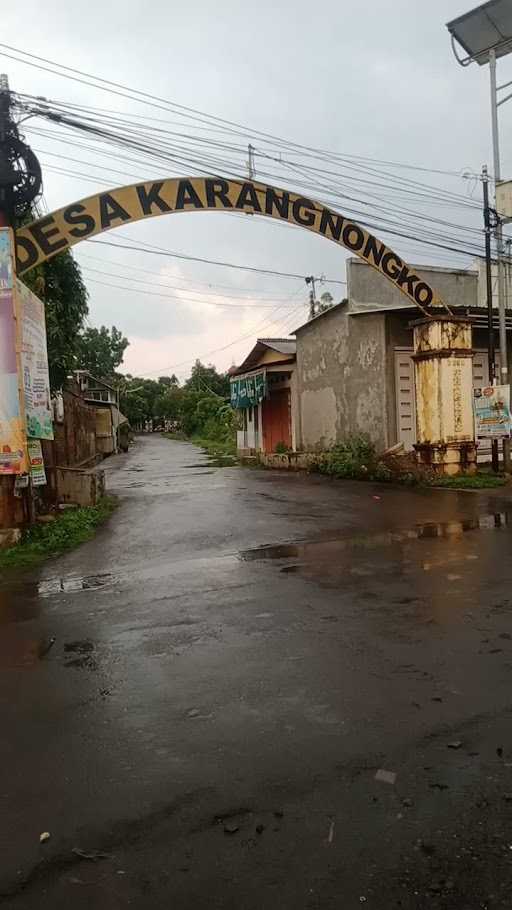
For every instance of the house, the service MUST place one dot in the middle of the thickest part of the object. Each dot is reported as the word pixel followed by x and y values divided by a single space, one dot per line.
pixel 354 365
pixel 263 390
pixel 110 422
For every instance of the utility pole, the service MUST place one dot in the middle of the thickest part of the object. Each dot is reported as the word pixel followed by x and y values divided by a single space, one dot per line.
pixel 250 162
pixel 499 246
pixel 488 276
pixel 5 175
pixel 312 295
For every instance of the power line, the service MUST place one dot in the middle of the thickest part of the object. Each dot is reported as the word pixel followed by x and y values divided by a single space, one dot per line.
pixel 158 251
pixel 162 370
pixel 238 306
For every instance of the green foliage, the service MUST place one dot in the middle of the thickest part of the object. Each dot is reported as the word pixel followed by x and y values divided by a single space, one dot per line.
pixel 199 410
pixel 68 530
pixel 101 351
pixel 479 481
pixel 355 458
pixel 325 303
pixel 206 379
pixel 60 285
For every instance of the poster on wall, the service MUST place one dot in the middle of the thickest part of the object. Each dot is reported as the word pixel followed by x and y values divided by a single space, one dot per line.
pixel 35 455
pixel 13 459
pixel 492 412
pixel 34 363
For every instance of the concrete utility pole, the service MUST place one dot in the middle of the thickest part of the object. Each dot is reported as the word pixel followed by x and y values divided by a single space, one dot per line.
pixel 490 324
pixel 312 295
pixel 5 105
pixel 499 244
pixel 250 162
pixel 483 34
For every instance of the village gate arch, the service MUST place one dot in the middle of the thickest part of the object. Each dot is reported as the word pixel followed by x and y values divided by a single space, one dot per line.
pixel 44 238
pixel 443 347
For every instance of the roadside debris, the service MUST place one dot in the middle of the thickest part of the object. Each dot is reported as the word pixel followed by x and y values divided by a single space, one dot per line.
pixel 92 855
pixel 407 803
pixel 330 836
pixel 385 777
pixel 45 646
pixel 45 836
pixel 455 745
pixel 231 828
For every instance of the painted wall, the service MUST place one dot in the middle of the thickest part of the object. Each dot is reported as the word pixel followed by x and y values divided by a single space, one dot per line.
pixel 341 379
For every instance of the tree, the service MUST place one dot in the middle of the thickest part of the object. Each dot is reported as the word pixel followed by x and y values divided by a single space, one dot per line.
pixel 101 351
pixel 325 303
pixel 169 381
pixel 206 379
pixel 60 285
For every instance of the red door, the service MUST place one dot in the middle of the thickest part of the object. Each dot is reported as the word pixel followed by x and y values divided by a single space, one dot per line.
pixel 276 420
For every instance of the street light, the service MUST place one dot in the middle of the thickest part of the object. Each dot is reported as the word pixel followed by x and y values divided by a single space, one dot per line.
pixel 485 34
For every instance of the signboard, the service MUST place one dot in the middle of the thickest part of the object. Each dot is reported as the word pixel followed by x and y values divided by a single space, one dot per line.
pixel 34 363
pixel 492 412
pixel 35 455
pixel 13 458
pixel 61 229
pixel 248 391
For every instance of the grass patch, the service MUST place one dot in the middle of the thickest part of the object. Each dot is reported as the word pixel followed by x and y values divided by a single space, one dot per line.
pixel 69 529
pixel 218 448
pixel 471 482
pixel 178 437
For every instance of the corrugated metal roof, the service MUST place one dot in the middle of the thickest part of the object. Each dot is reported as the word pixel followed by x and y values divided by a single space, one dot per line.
pixel 285 346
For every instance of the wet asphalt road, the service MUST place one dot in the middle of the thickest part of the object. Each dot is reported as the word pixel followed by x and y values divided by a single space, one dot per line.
pixel 237 654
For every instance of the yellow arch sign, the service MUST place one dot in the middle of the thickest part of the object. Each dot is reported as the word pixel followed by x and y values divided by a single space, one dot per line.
pixel 39 241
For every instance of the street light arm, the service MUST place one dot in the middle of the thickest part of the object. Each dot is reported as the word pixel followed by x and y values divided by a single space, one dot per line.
pixel 463 61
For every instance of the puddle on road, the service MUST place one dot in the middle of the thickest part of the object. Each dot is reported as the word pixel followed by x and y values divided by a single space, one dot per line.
pixel 332 559
pixel 424 531
pixel 74 583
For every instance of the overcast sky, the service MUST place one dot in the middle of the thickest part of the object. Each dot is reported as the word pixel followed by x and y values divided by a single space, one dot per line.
pixel 382 84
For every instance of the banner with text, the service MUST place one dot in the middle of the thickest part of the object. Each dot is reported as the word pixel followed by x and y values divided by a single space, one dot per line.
pixel 13 458
pixel 37 471
pixel 34 363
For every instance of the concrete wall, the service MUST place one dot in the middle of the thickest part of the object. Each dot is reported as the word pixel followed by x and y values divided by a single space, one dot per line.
pixel 341 366
pixel 367 288
pixel 83 488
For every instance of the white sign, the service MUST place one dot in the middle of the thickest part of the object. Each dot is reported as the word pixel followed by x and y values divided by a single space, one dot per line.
pixel 37 471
